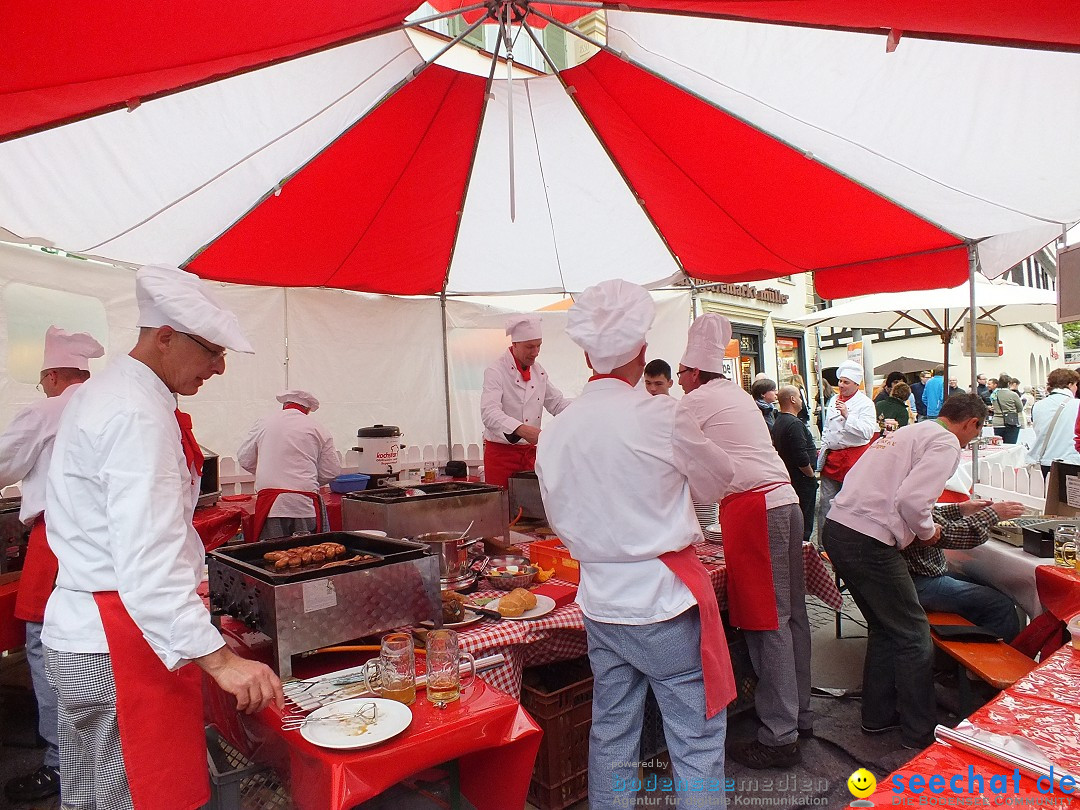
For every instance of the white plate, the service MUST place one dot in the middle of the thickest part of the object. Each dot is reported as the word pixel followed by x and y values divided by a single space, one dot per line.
pixel 392 719
pixel 544 606
pixel 714 529
pixel 471 617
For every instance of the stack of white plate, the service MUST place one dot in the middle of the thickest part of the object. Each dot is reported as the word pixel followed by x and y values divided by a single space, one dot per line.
pixel 712 533
pixel 707 513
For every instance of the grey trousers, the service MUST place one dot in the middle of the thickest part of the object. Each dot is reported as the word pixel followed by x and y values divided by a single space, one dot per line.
pixel 625 660
pixel 92 774
pixel 285 527
pixel 781 657
pixel 46 696
pixel 827 490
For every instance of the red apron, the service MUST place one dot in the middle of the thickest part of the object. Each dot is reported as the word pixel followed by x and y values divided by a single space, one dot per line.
pixel 838 462
pixel 503 460
pixel 715 660
pixel 265 500
pixel 744 525
pixel 160 717
pixel 38 576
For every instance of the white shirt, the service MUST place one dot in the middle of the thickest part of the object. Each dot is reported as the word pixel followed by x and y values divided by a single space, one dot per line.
pixel 120 497
pixel 290 450
pixel 1060 446
pixel 854 431
pixel 26 448
pixel 616 472
pixel 891 491
pixel 508 402
pixel 728 416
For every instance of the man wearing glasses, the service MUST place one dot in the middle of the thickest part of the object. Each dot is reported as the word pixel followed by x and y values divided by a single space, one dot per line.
pixel 25 451
pixel 125 618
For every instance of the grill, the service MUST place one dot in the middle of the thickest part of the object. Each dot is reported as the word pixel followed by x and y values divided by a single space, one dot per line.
pixel 303 609
pixel 449 506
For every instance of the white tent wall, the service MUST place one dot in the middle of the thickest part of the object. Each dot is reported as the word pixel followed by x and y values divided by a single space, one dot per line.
pixel 476 336
pixel 368 358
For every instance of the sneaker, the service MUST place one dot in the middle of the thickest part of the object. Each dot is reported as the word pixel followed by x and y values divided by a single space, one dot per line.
pixel 41 784
pixel 758 755
pixel 892 725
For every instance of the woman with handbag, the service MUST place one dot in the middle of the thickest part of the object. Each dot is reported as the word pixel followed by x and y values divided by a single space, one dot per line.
pixel 1008 410
pixel 1053 417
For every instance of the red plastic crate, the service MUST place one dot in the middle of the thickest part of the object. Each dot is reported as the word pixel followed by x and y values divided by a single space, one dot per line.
pixel 552 553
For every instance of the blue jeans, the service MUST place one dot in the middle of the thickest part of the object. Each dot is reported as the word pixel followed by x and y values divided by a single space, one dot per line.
pixel 1008 435
pixel 979 604
pixel 45 694
pixel 627 658
pixel 898 674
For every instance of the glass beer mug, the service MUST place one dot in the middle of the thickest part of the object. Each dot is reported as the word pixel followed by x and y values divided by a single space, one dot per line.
pixel 393 674
pixel 444 660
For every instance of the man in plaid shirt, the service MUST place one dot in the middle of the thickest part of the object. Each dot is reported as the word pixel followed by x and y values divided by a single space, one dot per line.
pixel 963 525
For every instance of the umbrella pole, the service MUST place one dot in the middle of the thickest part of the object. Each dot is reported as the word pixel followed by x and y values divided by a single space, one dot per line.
pixel 446 372
pixel 973 263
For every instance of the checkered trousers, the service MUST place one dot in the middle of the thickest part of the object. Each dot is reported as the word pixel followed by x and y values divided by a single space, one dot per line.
pixel 92 775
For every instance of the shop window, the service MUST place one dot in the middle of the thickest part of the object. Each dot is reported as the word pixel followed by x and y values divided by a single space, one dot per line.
pixel 29 311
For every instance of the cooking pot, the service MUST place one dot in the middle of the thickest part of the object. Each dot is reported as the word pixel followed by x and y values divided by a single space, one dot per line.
pixel 452 550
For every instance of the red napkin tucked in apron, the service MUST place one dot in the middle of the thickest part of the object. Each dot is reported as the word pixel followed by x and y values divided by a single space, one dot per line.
pixel 38 576
pixel 715 659
pixel 744 525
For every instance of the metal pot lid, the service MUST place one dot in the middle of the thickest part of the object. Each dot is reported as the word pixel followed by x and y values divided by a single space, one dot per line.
pixel 378 432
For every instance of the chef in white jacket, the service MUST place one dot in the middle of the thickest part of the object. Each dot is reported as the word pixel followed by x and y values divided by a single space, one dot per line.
pixel 25 451
pixel 292 455
pixel 616 472
pixel 516 393
pixel 850 426
pixel 125 622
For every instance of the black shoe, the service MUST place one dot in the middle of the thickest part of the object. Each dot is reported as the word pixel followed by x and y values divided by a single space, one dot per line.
pixel 41 784
pixel 892 725
pixel 918 746
pixel 758 755
pixel 806 732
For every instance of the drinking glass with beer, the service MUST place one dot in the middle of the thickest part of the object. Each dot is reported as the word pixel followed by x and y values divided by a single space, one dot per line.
pixel 444 659
pixel 393 674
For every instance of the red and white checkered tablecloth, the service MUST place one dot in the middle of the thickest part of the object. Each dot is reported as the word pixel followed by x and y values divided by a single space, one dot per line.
pixel 560 635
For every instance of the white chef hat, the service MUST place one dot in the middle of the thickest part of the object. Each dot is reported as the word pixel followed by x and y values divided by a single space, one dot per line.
pixel 299 397
pixel 64 349
pixel 168 296
pixel 850 370
pixel 706 343
pixel 523 327
pixel 610 321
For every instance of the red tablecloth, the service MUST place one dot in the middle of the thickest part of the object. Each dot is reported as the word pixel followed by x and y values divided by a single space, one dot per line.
pixel 1059 590
pixel 1041 707
pixel 561 634
pixel 491 736
pixel 12 630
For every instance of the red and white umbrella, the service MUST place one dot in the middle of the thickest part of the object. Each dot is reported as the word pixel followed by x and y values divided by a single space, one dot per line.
pixel 882 145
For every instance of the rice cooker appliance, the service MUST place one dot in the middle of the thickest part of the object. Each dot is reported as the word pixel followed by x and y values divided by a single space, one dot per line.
pixel 380 449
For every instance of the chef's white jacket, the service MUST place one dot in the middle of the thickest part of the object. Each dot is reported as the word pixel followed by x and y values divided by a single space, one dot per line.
pixel 26 449
pixel 290 450
pixel 890 492
pixel 119 499
pixel 855 431
pixel 616 473
pixel 729 417
pixel 508 402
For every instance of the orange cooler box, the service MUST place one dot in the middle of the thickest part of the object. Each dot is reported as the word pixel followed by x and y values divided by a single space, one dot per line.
pixel 552 553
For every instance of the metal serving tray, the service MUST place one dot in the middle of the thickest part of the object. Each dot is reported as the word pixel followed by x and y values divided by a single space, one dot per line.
pixel 447 489
pixel 249 556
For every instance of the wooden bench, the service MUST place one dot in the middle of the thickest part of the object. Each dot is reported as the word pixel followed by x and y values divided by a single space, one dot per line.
pixel 995 662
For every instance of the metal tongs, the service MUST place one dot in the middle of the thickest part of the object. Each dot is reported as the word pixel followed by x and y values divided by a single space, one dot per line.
pixel 368 712
pixel 320 688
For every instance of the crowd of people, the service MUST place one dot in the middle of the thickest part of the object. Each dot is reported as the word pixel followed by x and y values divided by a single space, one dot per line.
pixel 117 634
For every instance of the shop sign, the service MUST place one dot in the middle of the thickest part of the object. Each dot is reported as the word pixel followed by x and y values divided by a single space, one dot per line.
pixel 747 344
pixel 767 295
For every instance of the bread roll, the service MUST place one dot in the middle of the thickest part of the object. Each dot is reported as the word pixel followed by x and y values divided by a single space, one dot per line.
pixel 528 597
pixel 516 602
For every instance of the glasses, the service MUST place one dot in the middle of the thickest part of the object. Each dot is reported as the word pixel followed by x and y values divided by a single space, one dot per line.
pixel 682 371
pixel 216 354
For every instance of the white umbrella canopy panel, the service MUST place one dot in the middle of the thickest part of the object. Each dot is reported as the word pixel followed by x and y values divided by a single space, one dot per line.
pixel 732 151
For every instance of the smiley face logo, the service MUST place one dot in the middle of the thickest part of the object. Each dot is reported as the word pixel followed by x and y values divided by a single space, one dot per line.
pixel 862 783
